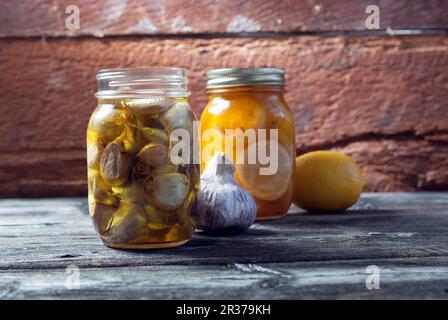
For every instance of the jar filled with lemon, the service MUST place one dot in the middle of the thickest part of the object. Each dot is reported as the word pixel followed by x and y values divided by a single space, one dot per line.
pixel 248 119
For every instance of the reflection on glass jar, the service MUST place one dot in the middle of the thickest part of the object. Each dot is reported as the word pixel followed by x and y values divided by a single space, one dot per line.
pixel 247 113
pixel 139 198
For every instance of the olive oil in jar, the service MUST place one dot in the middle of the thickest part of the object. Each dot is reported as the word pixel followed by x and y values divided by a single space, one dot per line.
pixel 139 198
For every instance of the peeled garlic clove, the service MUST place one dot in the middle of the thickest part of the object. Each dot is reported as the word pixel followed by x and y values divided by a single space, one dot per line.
pixel 178 116
pixel 157 232
pixel 107 122
pixel 102 195
pixel 156 136
pixel 222 203
pixel 153 155
pixel 100 191
pixel 153 215
pixel 148 106
pixel 128 225
pixel 102 217
pixel 130 192
pixel 158 218
pixel 167 191
pixel 129 143
pixel 93 155
pixel 166 168
pixel 115 164
pixel 157 228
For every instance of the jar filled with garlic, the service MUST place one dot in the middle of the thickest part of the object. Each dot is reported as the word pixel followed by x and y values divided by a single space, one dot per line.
pixel 142 194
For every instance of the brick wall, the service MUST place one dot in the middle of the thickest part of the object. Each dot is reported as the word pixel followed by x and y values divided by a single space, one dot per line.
pixel 378 95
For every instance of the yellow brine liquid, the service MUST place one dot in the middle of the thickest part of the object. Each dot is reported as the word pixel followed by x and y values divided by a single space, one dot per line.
pixel 137 197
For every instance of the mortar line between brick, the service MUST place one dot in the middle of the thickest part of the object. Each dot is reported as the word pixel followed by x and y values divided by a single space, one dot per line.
pixel 243 35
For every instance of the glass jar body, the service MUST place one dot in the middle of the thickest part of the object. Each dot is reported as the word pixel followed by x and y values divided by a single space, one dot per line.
pixel 138 198
pixel 263 110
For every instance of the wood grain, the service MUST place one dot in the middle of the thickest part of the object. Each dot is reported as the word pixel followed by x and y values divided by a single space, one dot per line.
pixel 300 256
pixel 425 278
pixel 380 99
pixel 177 17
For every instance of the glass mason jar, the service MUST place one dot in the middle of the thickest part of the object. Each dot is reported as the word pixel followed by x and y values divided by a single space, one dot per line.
pixel 138 196
pixel 245 115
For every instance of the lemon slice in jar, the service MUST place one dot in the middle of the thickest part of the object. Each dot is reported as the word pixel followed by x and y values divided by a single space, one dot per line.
pixel 266 187
pixel 244 114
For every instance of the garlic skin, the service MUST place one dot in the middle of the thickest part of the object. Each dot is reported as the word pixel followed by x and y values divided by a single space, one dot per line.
pixel 222 203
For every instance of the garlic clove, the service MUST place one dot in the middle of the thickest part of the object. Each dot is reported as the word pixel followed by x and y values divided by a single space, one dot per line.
pixel 130 192
pixel 100 191
pixel 167 191
pixel 102 217
pixel 128 224
pixel 178 116
pixel 166 168
pixel 153 215
pixel 153 155
pixel 103 196
pixel 131 143
pixel 148 106
pixel 115 164
pixel 156 136
pixel 93 155
pixel 107 122
pixel 223 205
pixel 156 225
pixel 157 232
pixel 156 217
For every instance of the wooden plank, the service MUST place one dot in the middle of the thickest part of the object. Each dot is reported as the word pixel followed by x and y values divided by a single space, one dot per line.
pixel 399 279
pixel 299 257
pixel 47 234
pixel 176 17
pixel 401 201
pixel 380 99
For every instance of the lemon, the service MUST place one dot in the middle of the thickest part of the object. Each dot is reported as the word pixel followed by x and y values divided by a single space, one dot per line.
pixel 266 187
pixel 326 181
pixel 285 131
pixel 244 113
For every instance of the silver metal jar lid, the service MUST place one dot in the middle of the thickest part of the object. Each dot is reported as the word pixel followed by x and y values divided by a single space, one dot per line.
pixel 142 82
pixel 236 77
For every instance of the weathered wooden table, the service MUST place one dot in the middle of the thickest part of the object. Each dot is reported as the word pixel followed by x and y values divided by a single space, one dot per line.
pixel 46 245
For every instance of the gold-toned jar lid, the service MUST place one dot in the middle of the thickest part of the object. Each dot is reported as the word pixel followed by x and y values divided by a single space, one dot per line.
pixel 237 77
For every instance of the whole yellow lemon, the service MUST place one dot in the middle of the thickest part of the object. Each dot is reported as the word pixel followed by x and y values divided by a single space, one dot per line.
pixel 326 181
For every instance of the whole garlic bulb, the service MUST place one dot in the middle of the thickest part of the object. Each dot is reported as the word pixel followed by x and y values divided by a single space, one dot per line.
pixel 222 203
